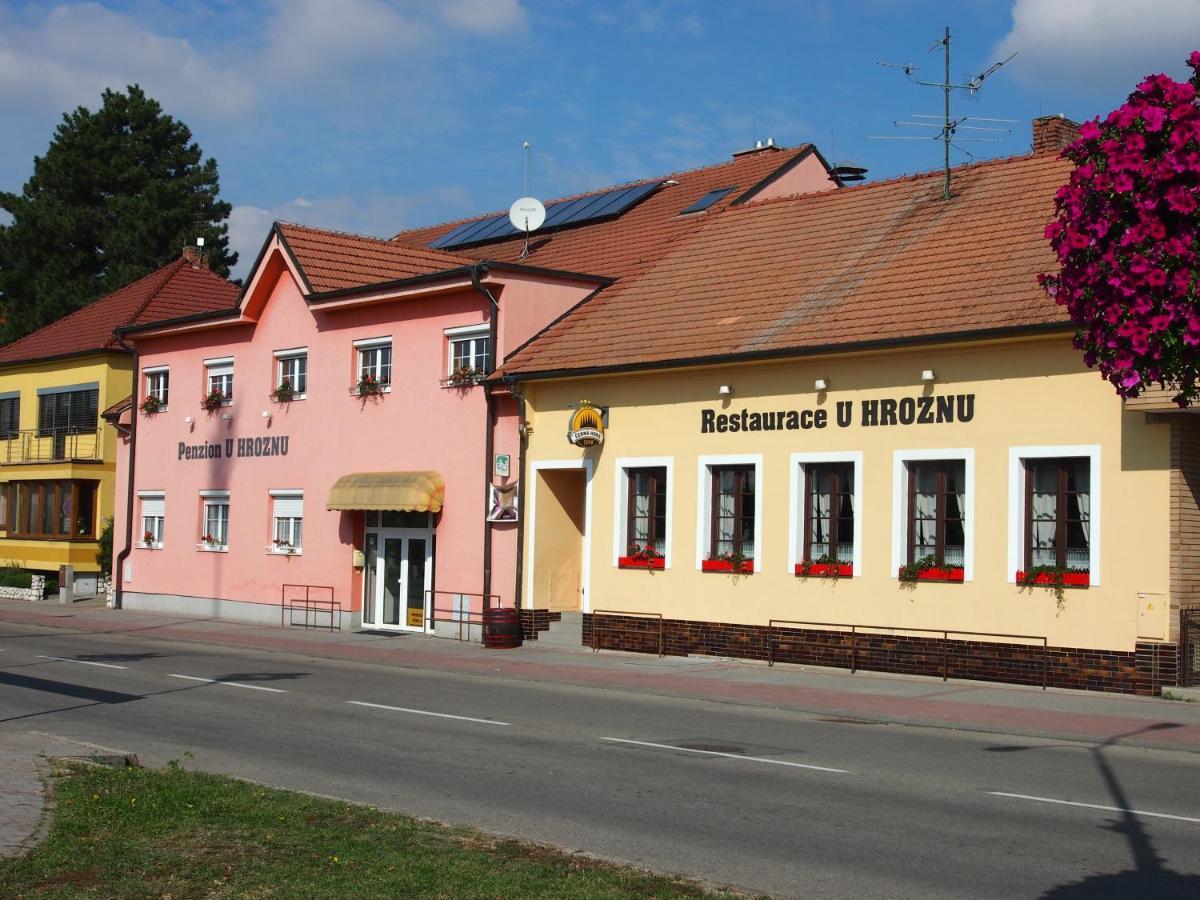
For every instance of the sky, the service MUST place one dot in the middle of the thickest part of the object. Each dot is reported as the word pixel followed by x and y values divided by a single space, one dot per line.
pixel 372 116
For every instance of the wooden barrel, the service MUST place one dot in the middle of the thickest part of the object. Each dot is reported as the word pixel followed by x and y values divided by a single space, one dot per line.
pixel 501 629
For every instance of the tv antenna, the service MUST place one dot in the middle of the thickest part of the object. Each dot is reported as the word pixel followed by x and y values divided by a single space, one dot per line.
pixel 947 126
pixel 527 213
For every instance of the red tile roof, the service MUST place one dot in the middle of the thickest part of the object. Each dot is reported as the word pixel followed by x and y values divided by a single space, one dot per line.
pixel 634 240
pixel 177 289
pixel 333 260
pixel 884 261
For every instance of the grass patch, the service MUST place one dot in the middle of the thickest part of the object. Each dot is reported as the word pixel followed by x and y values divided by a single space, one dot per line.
pixel 180 834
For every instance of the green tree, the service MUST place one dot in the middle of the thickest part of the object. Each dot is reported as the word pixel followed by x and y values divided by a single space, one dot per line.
pixel 117 195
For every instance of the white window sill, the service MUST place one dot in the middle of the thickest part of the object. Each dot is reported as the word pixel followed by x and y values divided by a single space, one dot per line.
pixel 291 399
pixel 145 546
pixel 206 548
pixel 275 551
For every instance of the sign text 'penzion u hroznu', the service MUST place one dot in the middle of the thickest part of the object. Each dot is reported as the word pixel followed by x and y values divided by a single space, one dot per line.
pixel 931 410
pixel 231 447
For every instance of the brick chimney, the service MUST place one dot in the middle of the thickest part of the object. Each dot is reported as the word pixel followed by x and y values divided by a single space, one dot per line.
pixel 1053 133
pixel 195 256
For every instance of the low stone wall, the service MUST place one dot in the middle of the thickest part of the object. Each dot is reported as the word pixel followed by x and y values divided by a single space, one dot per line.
pixel 36 590
pixel 1141 671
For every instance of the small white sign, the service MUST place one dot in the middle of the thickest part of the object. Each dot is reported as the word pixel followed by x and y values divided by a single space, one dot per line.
pixel 503 464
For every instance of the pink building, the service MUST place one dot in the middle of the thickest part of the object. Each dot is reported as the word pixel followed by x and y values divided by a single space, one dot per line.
pixel 332 440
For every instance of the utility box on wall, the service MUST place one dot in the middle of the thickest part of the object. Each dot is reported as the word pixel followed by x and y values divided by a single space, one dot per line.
pixel 1152 616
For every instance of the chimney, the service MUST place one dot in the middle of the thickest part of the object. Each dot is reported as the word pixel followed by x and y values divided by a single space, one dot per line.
pixel 1053 133
pixel 195 254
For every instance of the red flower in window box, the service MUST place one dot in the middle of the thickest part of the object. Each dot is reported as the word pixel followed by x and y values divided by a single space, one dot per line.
pixel 926 569
pixel 824 569
pixel 734 563
pixel 642 557
pixel 1052 576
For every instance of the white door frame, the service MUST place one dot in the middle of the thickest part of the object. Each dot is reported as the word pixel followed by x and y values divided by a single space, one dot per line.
pixel 404 534
pixel 586 575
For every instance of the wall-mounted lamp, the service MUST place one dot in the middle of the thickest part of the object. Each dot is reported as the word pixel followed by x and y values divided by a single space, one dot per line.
pixel 821 384
pixel 928 375
pixel 725 390
pixel 266 414
pixel 188 420
pixel 225 417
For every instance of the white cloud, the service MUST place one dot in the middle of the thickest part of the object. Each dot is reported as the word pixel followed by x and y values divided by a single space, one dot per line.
pixel 77 50
pixel 1070 47
pixel 484 16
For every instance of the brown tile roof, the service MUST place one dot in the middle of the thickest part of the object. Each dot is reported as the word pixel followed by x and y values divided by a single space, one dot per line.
pixel 333 260
pixel 632 241
pixel 177 289
pixel 878 262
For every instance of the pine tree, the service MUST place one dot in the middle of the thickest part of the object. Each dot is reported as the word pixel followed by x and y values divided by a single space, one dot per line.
pixel 117 195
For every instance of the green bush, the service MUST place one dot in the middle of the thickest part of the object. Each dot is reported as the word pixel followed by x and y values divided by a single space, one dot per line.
pixel 11 578
pixel 105 554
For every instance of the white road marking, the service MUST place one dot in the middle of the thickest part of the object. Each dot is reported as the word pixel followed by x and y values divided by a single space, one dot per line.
pixel 1135 812
pixel 249 687
pixel 83 662
pixel 425 712
pixel 761 759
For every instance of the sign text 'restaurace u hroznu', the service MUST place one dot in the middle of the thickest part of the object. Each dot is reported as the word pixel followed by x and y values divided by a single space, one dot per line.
pixel 231 447
pixel 931 410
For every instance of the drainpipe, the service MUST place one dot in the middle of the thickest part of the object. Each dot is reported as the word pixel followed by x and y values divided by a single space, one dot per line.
pixel 119 562
pixel 490 436
pixel 523 443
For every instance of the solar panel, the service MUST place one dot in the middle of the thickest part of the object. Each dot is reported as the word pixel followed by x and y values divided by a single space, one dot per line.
pixel 564 212
pixel 708 200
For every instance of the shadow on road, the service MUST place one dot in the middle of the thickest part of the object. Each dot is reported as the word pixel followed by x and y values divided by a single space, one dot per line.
pixel 1149 877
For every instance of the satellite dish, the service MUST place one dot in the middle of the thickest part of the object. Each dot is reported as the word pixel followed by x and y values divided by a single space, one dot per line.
pixel 527 214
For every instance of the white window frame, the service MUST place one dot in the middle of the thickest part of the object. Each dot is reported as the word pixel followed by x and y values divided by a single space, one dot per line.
pixel 161 498
pixel 151 374
pixel 286 494
pixel 798 462
pixel 209 499
pixel 621 503
pixel 463 333
pixel 900 460
pixel 282 358
pixel 218 368
pixel 366 345
pixel 704 502
pixel 1016 502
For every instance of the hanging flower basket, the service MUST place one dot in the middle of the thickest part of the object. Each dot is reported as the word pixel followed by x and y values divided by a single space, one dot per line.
pixel 368 386
pixel 151 405
pixel 213 401
pixel 1054 577
pixel 285 393
pixel 731 564
pixel 464 376
pixel 824 570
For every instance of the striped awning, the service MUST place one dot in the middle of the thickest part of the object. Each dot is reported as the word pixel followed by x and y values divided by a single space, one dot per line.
pixel 405 491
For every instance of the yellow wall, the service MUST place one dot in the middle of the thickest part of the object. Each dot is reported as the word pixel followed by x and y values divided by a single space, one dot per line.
pixel 112 373
pixel 1032 393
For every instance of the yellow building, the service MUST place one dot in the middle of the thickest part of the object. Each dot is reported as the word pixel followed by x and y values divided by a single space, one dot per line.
pixel 57 459
pixel 849 429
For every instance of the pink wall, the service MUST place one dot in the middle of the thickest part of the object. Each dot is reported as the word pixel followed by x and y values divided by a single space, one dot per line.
pixel 419 425
pixel 806 177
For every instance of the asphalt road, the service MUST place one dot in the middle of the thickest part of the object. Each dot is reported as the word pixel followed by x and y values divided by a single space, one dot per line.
pixel 767 800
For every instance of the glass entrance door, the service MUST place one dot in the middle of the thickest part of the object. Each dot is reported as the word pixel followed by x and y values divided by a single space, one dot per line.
pixel 396 577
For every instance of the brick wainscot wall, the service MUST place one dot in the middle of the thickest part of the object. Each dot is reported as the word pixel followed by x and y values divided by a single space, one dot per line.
pixel 1141 671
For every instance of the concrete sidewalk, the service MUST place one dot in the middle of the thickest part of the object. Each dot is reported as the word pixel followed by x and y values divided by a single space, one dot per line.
pixel 968 705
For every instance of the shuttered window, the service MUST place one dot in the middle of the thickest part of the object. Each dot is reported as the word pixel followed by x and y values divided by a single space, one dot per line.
pixel 288 521
pixel 68 412
pixel 10 417
pixel 153 518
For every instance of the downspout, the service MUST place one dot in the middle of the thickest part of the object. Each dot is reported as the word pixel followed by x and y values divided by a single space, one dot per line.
pixel 490 436
pixel 523 438
pixel 119 562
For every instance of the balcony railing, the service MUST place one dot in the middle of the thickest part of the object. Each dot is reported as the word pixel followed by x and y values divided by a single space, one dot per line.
pixel 35 446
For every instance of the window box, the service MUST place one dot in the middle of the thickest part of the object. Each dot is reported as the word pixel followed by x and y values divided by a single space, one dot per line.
pixel 936 573
pixel 633 562
pixel 276 550
pixel 214 401
pixel 1069 579
pixel 464 377
pixel 726 565
pixel 205 547
pixel 144 545
pixel 825 570
pixel 368 387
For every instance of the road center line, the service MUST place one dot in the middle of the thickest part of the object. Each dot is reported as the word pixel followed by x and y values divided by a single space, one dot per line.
pixel 761 759
pixel 1134 812
pixel 84 662
pixel 249 687
pixel 425 712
